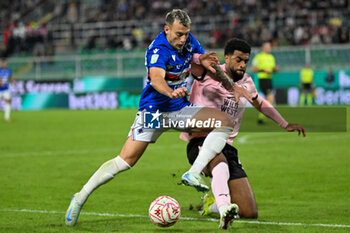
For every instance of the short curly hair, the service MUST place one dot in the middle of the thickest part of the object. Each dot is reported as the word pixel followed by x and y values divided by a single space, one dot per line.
pixel 236 44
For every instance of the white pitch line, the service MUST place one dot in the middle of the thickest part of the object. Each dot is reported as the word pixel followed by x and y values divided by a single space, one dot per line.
pixel 182 218
pixel 54 153
pixel 114 150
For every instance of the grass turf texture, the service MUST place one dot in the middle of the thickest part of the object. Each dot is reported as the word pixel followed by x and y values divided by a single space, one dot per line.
pixel 46 156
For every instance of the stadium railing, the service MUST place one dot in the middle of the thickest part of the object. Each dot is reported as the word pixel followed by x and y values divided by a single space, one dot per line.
pixel 130 64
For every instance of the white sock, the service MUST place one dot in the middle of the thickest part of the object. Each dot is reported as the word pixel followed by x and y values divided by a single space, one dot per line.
pixel 105 173
pixel 213 208
pixel 222 208
pixel 7 109
pixel 212 145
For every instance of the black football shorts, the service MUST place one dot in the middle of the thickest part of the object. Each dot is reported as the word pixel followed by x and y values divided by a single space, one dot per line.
pixel 231 154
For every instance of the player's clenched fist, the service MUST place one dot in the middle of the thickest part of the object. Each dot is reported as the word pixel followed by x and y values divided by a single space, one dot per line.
pixel 179 93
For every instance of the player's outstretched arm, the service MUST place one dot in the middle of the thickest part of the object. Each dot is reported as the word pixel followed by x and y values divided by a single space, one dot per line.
pixel 222 77
pixel 201 63
pixel 208 61
pixel 268 110
pixel 158 82
pixel 211 63
pixel 296 127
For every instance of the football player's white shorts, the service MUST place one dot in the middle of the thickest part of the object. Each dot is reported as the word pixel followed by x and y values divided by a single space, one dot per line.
pixel 5 95
pixel 147 126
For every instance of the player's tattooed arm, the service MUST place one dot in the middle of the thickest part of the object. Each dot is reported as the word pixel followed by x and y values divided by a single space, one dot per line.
pixel 212 66
pixel 228 83
pixel 221 76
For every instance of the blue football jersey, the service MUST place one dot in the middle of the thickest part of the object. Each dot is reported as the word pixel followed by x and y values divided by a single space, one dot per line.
pixel 5 75
pixel 177 65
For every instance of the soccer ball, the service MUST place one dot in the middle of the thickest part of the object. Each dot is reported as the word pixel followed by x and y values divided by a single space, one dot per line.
pixel 164 211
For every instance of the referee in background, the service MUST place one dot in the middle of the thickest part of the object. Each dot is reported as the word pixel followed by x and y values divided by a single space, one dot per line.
pixel 264 64
pixel 307 87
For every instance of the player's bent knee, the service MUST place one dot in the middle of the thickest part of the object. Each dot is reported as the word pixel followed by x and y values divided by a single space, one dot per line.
pixel 219 158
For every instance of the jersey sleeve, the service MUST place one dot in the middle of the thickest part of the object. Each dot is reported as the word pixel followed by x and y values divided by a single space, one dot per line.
pixel 197 47
pixel 157 57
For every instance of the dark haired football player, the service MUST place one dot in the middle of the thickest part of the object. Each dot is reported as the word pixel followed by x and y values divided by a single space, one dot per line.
pixel 168 62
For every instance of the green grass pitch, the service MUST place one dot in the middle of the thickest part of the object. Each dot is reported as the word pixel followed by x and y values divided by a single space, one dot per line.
pixel 300 184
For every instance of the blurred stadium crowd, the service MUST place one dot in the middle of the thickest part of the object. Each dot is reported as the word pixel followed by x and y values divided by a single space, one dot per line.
pixel 30 26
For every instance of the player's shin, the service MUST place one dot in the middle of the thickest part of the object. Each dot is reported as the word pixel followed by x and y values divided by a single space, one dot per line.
pixel 219 185
pixel 105 173
pixel 212 145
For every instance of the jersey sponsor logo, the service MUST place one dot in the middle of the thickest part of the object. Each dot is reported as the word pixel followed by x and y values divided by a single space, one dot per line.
pixel 185 63
pixel 230 106
pixel 176 76
pixel 154 58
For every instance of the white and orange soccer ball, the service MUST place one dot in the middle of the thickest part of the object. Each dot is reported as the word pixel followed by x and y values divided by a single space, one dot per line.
pixel 164 211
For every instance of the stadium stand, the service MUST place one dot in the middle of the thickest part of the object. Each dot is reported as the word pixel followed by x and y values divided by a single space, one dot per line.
pixel 95 37
pixel 129 24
